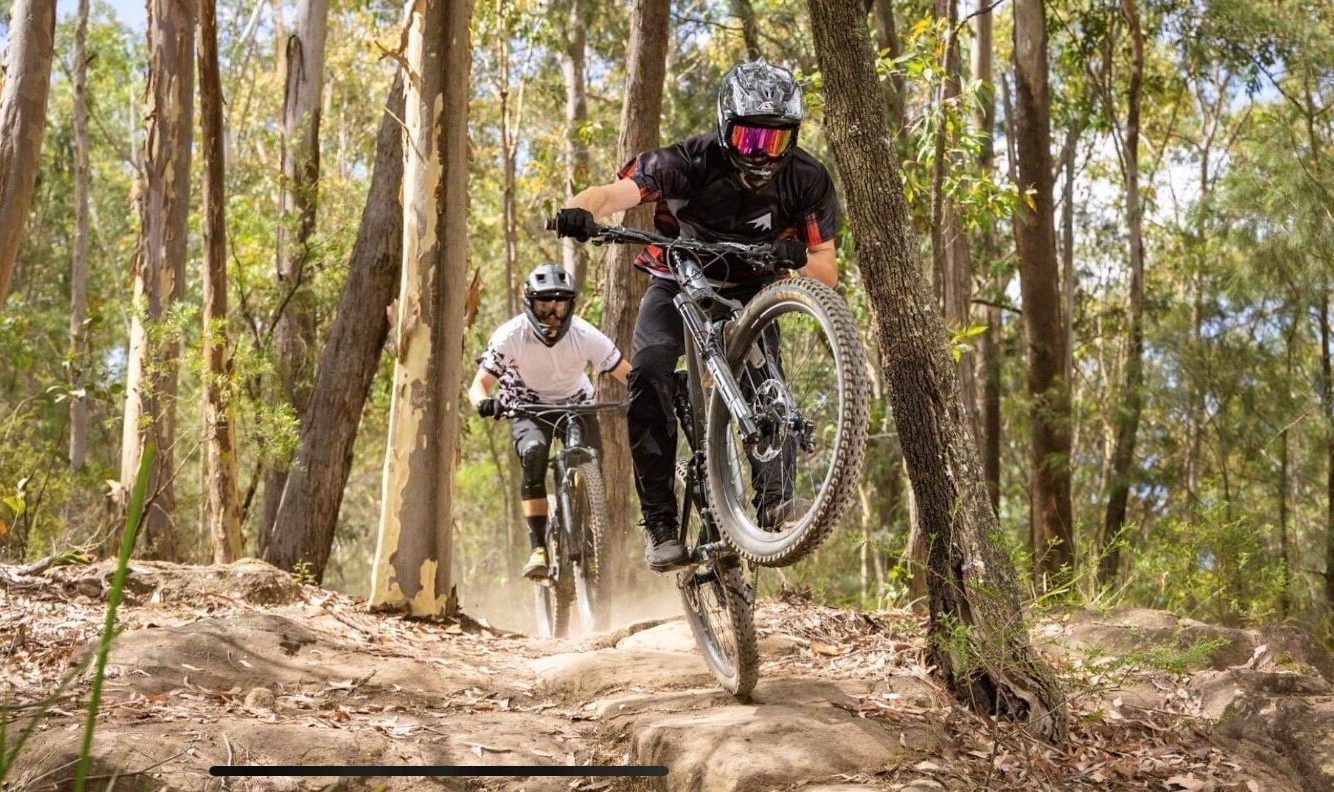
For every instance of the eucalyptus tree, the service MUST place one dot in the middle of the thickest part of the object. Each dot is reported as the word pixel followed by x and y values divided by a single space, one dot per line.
pixel 32 30
pixel 222 512
pixel 78 278
pixel 1051 515
pixel 159 265
pixel 978 641
pixel 316 483
pixel 641 110
pixel 1130 402
pixel 294 322
pixel 990 352
pixel 414 547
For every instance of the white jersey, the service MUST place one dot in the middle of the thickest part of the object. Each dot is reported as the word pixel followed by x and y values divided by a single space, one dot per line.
pixel 530 371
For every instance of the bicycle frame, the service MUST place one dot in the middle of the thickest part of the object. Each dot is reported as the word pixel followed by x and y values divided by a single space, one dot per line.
pixel 563 465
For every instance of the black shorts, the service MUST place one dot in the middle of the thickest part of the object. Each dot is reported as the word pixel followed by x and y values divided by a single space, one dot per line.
pixel 525 430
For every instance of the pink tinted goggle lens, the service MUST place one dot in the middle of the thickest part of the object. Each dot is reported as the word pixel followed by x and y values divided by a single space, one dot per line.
pixel 548 308
pixel 754 141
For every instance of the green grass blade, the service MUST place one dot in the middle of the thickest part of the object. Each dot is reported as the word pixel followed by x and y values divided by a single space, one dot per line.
pixel 132 522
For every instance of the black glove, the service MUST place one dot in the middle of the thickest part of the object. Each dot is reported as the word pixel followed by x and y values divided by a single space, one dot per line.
pixel 489 408
pixel 576 224
pixel 789 253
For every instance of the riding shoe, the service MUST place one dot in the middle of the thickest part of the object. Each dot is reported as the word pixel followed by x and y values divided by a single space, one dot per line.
pixel 536 568
pixel 664 551
pixel 783 515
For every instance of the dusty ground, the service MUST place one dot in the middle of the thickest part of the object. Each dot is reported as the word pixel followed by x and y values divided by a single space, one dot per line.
pixel 242 665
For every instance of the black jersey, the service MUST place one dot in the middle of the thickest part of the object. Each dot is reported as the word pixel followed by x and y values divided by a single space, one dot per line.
pixel 699 196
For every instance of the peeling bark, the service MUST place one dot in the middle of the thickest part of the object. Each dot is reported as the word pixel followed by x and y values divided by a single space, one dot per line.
pixel 575 255
pixel 32 30
pixel 294 325
pixel 163 200
pixel 413 552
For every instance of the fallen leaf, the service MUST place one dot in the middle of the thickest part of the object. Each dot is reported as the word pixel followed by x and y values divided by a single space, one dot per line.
pixel 828 650
pixel 1187 781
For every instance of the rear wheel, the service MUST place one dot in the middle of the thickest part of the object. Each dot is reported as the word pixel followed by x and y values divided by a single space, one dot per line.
pixel 798 358
pixel 718 605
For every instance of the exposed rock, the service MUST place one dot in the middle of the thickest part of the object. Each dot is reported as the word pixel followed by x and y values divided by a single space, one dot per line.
pixel 247 580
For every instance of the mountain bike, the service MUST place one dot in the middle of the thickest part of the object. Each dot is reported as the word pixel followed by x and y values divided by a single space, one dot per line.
pixel 781 383
pixel 576 523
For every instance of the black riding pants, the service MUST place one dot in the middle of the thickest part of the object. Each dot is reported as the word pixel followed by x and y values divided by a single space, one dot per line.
pixel 659 343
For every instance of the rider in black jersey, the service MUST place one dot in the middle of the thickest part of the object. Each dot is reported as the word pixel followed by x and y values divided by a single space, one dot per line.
pixel 748 182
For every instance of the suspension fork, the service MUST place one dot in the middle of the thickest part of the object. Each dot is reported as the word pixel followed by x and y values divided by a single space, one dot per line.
pixel 700 331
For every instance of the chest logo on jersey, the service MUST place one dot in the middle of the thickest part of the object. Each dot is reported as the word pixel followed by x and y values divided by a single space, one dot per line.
pixel 764 222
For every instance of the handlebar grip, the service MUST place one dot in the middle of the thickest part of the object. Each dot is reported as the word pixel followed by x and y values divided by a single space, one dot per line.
pixel 551 224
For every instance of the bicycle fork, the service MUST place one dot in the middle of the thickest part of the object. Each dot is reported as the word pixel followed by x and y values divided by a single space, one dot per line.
pixel 700 330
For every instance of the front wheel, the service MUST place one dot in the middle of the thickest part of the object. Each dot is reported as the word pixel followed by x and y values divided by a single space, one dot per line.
pixel 590 515
pixel 796 353
pixel 719 609
pixel 552 597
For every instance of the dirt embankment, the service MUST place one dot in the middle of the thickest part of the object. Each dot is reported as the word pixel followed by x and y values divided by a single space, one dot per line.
pixel 240 664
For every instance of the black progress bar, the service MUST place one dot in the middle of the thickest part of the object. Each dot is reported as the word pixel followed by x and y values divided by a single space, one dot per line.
pixel 439 770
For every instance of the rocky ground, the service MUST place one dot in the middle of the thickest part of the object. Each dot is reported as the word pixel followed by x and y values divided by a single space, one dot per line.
pixel 241 664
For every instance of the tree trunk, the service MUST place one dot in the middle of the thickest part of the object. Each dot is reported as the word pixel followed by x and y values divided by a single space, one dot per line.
pixel 574 254
pixel 950 257
pixel 978 642
pixel 1327 398
pixel 646 67
pixel 887 41
pixel 32 30
pixel 750 32
pixel 990 359
pixel 1069 155
pixel 413 551
pixel 294 324
pixel 78 279
pixel 159 266
pixel 1052 526
pixel 314 491
pixel 1132 397
pixel 508 166
pixel 222 513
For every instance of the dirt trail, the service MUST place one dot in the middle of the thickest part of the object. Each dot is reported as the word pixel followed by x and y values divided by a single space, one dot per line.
pixel 241 664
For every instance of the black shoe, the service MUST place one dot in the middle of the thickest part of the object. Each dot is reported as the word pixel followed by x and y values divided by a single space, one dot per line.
pixel 782 516
pixel 664 551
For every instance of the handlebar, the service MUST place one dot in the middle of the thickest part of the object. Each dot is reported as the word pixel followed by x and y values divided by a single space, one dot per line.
pixel 538 409
pixel 761 256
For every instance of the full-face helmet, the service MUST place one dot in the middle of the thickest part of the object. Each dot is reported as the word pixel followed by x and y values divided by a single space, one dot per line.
pixel 759 114
pixel 548 295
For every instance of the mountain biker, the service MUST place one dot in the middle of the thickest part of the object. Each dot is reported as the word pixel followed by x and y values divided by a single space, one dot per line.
pixel 539 357
pixel 746 181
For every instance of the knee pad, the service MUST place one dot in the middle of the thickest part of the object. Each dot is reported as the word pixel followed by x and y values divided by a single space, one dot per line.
pixel 533 458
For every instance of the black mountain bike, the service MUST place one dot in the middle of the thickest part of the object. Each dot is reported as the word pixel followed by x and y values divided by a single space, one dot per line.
pixel 576 523
pixel 781 384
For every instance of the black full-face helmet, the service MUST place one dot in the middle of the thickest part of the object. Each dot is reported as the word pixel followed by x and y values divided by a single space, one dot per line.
pixel 548 293
pixel 759 114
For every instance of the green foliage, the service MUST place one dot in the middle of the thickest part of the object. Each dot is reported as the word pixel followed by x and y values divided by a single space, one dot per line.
pixel 1214 569
pixel 1173 659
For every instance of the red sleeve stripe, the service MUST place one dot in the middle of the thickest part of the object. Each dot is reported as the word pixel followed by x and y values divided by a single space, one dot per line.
pixel 813 237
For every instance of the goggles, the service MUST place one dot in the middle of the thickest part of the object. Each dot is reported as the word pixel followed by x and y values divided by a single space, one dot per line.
pixel 757 142
pixel 546 309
